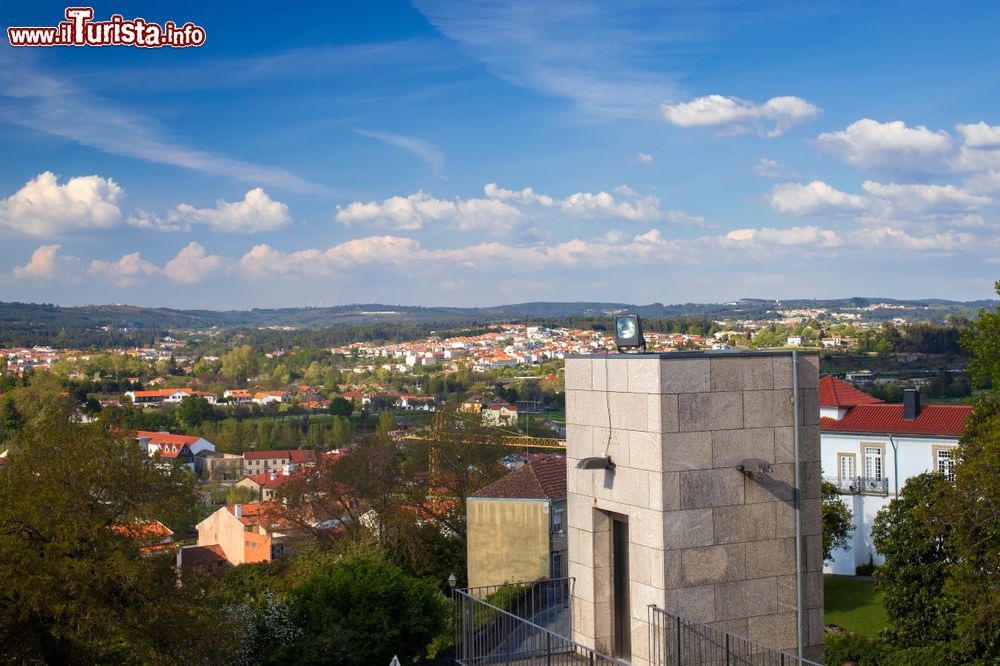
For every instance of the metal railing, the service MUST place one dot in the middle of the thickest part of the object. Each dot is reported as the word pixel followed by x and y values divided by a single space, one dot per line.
pixel 860 485
pixel 519 623
pixel 678 641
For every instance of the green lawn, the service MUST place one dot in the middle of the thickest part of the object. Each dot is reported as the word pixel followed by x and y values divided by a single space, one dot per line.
pixel 853 605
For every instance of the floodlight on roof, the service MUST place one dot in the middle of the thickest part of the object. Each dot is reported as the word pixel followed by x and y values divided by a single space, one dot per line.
pixel 628 333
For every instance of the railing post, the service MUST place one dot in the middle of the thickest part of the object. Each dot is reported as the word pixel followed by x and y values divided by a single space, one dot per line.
pixel 678 640
pixel 548 649
pixel 727 649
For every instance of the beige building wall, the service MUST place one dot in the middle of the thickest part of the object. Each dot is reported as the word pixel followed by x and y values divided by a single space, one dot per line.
pixel 224 529
pixel 508 540
pixel 705 541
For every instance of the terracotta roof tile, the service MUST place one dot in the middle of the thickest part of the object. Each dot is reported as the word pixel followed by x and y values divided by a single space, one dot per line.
pixel 539 479
pixel 836 393
pixel 941 420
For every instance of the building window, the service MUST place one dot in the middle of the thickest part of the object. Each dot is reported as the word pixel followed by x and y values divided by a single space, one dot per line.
pixel 557 565
pixel 557 521
pixel 946 463
pixel 847 471
pixel 873 462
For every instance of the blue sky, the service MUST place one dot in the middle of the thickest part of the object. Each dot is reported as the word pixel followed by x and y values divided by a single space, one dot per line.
pixel 473 153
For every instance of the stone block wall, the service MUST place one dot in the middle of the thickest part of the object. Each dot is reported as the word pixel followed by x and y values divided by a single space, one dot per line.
pixel 706 541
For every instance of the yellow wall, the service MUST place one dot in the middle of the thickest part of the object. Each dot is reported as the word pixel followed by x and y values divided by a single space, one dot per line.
pixel 508 540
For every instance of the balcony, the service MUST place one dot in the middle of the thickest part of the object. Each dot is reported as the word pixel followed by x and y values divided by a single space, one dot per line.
pixel 860 485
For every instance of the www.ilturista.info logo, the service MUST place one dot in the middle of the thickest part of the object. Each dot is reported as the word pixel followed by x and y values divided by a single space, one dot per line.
pixel 79 29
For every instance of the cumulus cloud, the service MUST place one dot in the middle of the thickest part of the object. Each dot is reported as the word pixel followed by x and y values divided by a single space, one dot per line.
pixel 421 209
pixel 256 213
pixel 193 265
pixel 920 198
pixel 733 115
pixel 766 168
pixel 892 146
pixel 794 236
pixel 980 135
pixel 887 236
pixel 47 264
pixel 644 158
pixel 502 208
pixel 45 208
pixel 883 202
pixel 263 260
pixel 815 198
pixel 125 272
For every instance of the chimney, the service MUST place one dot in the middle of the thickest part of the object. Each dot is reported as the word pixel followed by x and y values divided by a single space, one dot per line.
pixel 238 510
pixel 273 476
pixel 911 403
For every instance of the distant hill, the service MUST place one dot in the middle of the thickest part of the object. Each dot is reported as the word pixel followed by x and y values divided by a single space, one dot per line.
pixel 126 324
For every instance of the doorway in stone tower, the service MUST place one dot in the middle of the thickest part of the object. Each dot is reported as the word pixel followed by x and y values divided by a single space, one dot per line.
pixel 620 607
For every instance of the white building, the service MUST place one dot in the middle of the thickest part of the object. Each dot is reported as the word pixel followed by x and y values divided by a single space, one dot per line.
pixel 870 449
pixel 499 414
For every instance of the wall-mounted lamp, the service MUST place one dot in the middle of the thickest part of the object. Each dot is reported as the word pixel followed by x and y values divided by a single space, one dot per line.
pixel 755 468
pixel 597 462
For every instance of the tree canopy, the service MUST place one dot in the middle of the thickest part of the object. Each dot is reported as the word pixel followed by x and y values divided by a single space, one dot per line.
pixel 77 589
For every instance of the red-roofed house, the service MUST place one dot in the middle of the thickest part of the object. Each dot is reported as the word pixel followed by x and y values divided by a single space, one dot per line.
pixel 267 397
pixel 160 397
pixel 154 536
pixel 284 460
pixel 499 413
pixel 264 484
pixel 870 449
pixel 517 525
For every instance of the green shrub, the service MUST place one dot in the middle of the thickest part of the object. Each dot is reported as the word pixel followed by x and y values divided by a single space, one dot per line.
pixel 866 569
pixel 939 654
pixel 850 647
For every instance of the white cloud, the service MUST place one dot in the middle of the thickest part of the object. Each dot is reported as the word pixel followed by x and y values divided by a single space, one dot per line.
pixel 733 115
pixel 892 146
pixel 125 272
pixel 47 264
pixel 907 198
pixel 193 265
pixel 886 236
pixel 421 209
pixel 980 135
pixel 502 208
pixel 527 195
pixel 425 150
pixel 789 237
pixel 256 213
pixel 644 158
pixel 263 260
pixel 816 198
pixel 45 208
pixel 766 168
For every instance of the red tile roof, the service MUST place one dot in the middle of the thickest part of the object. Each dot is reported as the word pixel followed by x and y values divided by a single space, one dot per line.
pixel 539 479
pixel 265 480
pixel 162 438
pixel 941 420
pixel 292 455
pixel 836 393
pixel 201 555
